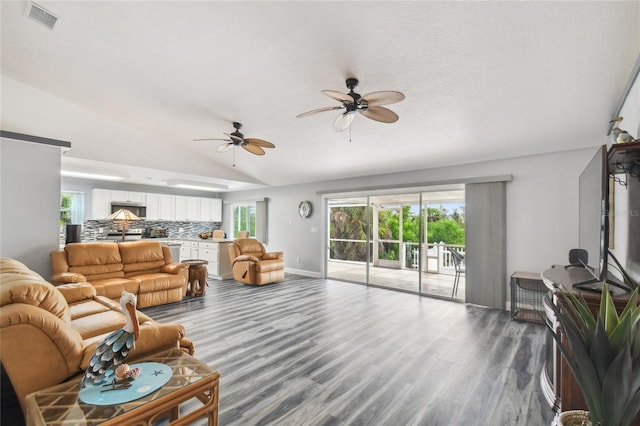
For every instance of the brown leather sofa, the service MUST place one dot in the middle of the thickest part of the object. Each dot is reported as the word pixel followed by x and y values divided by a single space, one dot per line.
pixel 144 268
pixel 49 333
pixel 251 264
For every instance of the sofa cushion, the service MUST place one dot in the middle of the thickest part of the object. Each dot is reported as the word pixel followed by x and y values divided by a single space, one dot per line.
pixel 98 323
pixel 86 308
pixel 269 265
pixel 32 290
pixel 155 282
pixel 112 287
pixel 8 265
pixel 142 256
pixel 95 260
pixel 250 247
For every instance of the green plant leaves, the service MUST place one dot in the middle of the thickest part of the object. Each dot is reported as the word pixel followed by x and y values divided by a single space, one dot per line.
pixel 603 354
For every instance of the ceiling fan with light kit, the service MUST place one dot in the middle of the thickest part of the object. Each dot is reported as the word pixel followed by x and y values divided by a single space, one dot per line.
pixel 369 105
pixel 252 145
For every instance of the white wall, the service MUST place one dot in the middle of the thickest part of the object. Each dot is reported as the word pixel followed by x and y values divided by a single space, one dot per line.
pixel 30 197
pixel 542 208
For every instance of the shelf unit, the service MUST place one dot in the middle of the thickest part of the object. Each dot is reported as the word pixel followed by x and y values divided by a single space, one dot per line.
pixel 624 158
pixel 527 292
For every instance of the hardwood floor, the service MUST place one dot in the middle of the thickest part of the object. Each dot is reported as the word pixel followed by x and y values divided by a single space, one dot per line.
pixel 309 351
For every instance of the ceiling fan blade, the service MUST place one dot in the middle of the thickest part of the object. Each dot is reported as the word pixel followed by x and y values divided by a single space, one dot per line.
pixel 315 111
pixel 343 121
pixel 260 142
pixel 338 96
pixel 225 147
pixel 254 149
pixel 212 139
pixel 234 138
pixel 379 113
pixel 383 98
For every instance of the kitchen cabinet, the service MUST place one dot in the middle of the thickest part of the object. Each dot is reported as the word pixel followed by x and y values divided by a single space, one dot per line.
pixel 100 203
pixel 217 254
pixel 211 209
pixel 187 208
pixel 101 200
pixel 160 207
pixel 189 250
pixel 128 196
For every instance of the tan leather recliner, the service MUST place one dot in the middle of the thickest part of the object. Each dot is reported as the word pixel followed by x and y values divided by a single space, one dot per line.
pixel 49 333
pixel 251 264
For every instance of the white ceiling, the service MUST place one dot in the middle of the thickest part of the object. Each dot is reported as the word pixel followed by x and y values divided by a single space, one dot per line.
pixel 130 84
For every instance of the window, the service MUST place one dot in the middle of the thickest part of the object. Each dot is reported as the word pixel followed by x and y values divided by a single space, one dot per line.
pixel 71 208
pixel 244 219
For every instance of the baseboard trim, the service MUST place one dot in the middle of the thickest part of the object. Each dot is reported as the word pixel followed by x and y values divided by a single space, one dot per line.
pixel 303 272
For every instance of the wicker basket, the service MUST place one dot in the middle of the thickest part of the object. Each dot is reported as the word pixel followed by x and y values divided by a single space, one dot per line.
pixel 574 418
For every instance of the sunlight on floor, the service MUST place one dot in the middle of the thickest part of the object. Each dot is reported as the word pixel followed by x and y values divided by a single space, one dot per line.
pixel 440 285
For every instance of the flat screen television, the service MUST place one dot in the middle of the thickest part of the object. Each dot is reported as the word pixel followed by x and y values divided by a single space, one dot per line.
pixel 593 215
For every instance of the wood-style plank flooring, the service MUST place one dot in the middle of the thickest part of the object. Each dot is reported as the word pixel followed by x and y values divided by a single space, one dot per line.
pixel 309 351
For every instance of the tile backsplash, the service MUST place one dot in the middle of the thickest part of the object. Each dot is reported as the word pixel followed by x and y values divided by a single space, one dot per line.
pixel 178 230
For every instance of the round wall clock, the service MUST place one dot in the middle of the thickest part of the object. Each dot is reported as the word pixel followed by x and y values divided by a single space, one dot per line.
pixel 304 209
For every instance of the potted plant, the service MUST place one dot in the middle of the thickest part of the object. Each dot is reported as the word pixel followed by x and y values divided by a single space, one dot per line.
pixel 603 353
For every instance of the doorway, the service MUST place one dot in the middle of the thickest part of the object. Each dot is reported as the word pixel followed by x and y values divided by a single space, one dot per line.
pixel 389 240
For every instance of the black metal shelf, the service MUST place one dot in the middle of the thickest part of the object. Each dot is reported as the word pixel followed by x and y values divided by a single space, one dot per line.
pixel 624 159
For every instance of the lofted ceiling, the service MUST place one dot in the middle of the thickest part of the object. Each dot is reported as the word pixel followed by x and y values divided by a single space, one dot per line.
pixel 131 84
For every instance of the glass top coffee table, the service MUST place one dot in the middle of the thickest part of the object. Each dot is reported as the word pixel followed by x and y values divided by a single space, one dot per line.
pixel 192 393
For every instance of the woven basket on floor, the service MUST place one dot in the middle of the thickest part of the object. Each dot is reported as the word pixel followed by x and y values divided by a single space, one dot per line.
pixel 574 418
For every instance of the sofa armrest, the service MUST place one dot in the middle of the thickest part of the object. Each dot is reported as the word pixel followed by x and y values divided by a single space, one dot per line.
pixel 246 258
pixel 77 292
pixel 174 268
pixel 28 333
pixel 68 277
pixel 273 255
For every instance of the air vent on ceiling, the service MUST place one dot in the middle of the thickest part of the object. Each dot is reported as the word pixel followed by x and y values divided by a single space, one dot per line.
pixel 41 15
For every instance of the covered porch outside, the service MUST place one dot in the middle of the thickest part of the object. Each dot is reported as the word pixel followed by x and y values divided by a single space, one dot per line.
pixel 382 240
pixel 437 280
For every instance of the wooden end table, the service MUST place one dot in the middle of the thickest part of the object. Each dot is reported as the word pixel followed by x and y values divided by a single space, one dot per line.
pixel 194 386
pixel 197 274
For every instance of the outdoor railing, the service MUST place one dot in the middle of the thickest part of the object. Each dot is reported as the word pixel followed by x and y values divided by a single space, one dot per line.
pixel 435 259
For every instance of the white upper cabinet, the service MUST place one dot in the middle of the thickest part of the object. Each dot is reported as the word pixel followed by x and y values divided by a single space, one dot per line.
pixel 211 209
pixel 187 208
pixel 100 203
pixel 160 207
pixel 128 196
pixel 101 200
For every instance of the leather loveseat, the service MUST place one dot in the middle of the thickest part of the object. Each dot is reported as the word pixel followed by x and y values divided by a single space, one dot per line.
pixel 49 333
pixel 144 268
pixel 251 264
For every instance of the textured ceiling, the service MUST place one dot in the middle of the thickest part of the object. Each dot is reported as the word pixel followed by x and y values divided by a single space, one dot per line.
pixel 132 83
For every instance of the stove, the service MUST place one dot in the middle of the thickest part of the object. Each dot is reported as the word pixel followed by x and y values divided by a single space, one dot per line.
pixel 129 235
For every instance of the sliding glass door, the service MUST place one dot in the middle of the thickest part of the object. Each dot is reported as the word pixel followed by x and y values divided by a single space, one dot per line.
pixel 444 230
pixel 401 241
pixel 349 242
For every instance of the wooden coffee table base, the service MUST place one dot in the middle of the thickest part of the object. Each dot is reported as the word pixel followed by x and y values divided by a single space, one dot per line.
pixel 193 384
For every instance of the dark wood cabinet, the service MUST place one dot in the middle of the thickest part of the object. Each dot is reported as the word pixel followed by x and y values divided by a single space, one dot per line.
pixel 568 392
